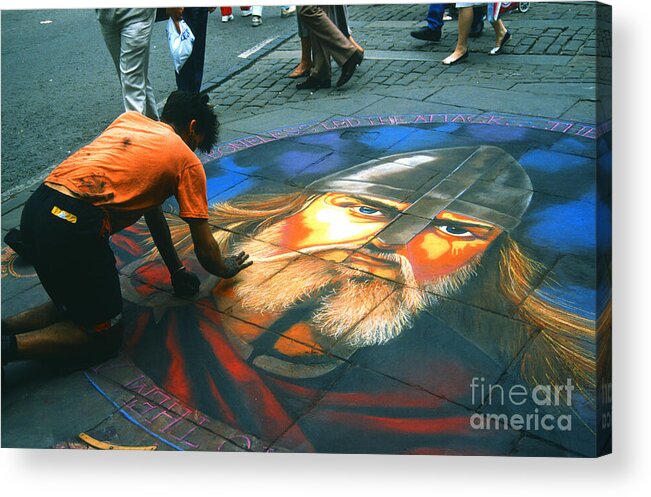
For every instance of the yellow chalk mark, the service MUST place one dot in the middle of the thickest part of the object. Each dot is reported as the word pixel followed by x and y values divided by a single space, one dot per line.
pixel 98 444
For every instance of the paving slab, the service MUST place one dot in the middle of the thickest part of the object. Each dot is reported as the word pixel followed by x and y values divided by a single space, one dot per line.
pixel 271 120
pixel 51 410
pixel 508 102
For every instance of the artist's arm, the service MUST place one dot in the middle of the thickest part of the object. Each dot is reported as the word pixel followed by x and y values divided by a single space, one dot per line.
pixel 208 253
pixel 185 283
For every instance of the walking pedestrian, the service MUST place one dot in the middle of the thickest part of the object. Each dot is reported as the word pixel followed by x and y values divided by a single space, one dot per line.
pixel 256 10
pixel 190 76
pixel 327 41
pixel 339 16
pixel 227 12
pixel 436 18
pixel 127 34
pixel 431 32
pixel 502 35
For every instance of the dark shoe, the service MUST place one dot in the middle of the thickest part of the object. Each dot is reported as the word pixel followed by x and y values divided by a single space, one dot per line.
pixel 427 34
pixel 15 242
pixel 497 50
pixel 312 83
pixel 349 68
pixel 455 61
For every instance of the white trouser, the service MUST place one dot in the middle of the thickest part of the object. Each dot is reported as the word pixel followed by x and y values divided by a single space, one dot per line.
pixel 128 37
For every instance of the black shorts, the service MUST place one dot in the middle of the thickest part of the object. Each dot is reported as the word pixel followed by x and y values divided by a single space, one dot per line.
pixel 67 241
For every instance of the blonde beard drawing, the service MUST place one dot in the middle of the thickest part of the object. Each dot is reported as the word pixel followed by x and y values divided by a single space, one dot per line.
pixel 357 308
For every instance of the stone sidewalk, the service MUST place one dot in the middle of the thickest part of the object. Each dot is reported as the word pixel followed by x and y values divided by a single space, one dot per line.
pixel 545 79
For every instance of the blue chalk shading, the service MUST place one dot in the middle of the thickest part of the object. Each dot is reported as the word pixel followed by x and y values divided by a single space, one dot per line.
pixel 423 140
pixel 605 165
pixel 568 226
pixel 605 228
pixel 294 161
pixel 575 146
pixel 553 162
pixel 573 298
pixel 448 128
pixel 390 135
pixel 222 181
pixel 230 163
pixel 495 134
pixel 238 189
pixel 129 417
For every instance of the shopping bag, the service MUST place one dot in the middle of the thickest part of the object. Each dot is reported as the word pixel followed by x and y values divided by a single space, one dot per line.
pixel 180 41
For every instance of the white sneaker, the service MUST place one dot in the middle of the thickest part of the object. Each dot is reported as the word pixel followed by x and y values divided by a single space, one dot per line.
pixel 227 18
pixel 256 21
pixel 246 13
pixel 286 12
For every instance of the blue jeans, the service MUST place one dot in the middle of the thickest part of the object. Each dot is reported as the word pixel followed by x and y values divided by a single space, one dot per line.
pixel 435 16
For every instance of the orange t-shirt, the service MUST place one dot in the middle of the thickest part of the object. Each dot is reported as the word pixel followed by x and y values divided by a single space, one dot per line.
pixel 132 167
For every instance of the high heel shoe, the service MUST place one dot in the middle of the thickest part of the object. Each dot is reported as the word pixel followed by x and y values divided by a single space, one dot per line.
pixel 498 49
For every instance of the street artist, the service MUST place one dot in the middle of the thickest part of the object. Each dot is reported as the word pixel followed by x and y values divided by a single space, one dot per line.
pixel 106 186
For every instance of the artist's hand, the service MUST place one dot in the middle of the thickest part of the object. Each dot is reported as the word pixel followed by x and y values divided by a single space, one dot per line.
pixel 234 264
pixel 185 283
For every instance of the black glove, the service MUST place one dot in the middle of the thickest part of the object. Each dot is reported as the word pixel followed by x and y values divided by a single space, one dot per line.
pixel 234 264
pixel 185 283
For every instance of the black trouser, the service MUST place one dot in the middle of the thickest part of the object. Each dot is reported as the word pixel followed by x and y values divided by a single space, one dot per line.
pixel 67 241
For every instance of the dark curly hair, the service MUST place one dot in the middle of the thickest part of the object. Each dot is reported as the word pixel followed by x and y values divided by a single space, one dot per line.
pixel 182 107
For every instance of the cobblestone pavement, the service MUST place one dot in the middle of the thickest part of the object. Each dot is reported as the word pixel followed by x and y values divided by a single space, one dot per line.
pixel 545 77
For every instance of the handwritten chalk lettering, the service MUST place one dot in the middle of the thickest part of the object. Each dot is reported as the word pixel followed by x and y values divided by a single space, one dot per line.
pixel 239 145
pixel 247 442
pixel 182 431
pixel 142 408
pixel 561 126
pixel 216 153
pixel 170 417
pixel 289 131
pixel 245 438
pixel 172 426
pixel 252 141
pixel 328 126
pixel 345 123
pixel 586 131
pixel 398 120
pixel 458 118
pixel 496 120
pixel 383 121
pixel 153 393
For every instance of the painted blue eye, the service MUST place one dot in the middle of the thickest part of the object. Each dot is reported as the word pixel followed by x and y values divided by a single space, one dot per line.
pixel 455 231
pixel 369 211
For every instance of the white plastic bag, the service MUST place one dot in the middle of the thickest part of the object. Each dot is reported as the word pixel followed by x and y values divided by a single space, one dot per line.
pixel 180 42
